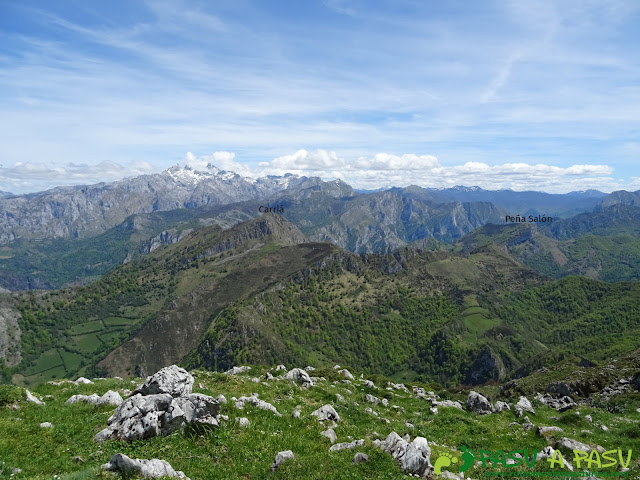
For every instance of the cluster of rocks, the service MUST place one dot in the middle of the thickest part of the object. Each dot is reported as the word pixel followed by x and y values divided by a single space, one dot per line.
pixel 153 468
pixel 109 398
pixel 414 456
pixel 478 403
pixel 161 405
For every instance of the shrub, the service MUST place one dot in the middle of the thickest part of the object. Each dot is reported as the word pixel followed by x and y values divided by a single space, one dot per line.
pixel 11 394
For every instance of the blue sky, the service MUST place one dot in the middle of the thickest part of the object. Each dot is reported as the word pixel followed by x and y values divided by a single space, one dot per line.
pixel 507 94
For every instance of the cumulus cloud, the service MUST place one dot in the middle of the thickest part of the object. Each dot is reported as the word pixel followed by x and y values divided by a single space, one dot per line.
pixel 387 161
pixel 304 160
pixel 387 169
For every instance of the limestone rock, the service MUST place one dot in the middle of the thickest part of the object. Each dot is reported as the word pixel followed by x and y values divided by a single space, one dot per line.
pixel 543 431
pixel 243 422
pixel 32 398
pixel 571 445
pixel 173 380
pixel 46 425
pixel 299 375
pixel 326 412
pixel 83 381
pixel 330 434
pixel 448 403
pixel 502 406
pixel 369 384
pixel 346 446
pixel 153 468
pixel 372 399
pixel 237 370
pixel 281 457
pixel 414 457
pixel 523 405
pixel 346 373
pixel 256 402
pixel 478 403
pixel 359 458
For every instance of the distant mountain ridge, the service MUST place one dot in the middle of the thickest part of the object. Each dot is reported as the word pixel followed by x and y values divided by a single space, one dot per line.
pixel 84 211
pixel 528 202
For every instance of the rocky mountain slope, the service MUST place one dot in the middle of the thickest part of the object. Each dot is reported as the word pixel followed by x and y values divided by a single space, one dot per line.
pixel 604 244
pixel 260 292
pixel 82 211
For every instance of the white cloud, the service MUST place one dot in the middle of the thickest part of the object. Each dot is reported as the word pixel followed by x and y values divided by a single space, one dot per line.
pixel 304 160
pixel 387 161
pixel 35 176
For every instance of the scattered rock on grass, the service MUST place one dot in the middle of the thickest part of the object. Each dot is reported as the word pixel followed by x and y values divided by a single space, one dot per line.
pixel 153 468
pixel 281 457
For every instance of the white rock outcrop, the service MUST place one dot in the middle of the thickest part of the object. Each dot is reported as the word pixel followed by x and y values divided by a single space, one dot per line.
pixel 153 468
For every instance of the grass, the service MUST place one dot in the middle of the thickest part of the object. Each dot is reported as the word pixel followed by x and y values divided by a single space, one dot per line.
pixel 118 321
pixel 89 342
pixel 47 360
pixel 231 452
pixel 88 327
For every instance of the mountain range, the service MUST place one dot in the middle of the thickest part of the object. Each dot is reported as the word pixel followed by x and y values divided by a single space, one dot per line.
pixel 73 235
pixel 408 282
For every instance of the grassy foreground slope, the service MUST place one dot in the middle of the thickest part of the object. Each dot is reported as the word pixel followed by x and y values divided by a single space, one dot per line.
pixel 233 452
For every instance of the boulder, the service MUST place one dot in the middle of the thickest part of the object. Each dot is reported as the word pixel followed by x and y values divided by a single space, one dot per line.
pixel 477 403
pixel 330 434
pixel 46 425
pixel 372 399
pixel 83 381
pixel 502 406
pixel 281 457
pixel 237 370
pixel 359 458
pixel 243 422
pixel 543 431
pixel 346 373
pixel 369 384
pixel 346 446
pixel 300 376
pixel 523 405
pixel 414 457
pixel 32 398
pixel 145 416
pixel 447 403
pixel 194 408
pixel 146 468
pixel 326 412
pixel 172 380
pixel 561 404
pixel 256 402
pixel 570 445
pixel 110 398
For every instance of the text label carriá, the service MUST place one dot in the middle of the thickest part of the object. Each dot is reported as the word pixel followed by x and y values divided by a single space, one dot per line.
pixel 276 209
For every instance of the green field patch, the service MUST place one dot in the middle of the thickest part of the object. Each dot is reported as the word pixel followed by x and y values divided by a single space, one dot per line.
pixel 476 310
pixel 107 338
pixel 50 374
pixel 89 342
pixel 71 360
pixel 87 327
pixel 118 321
pixel 478 324
pixel 46 361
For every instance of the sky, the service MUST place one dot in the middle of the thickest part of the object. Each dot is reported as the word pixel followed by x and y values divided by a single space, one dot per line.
pixel 529 95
